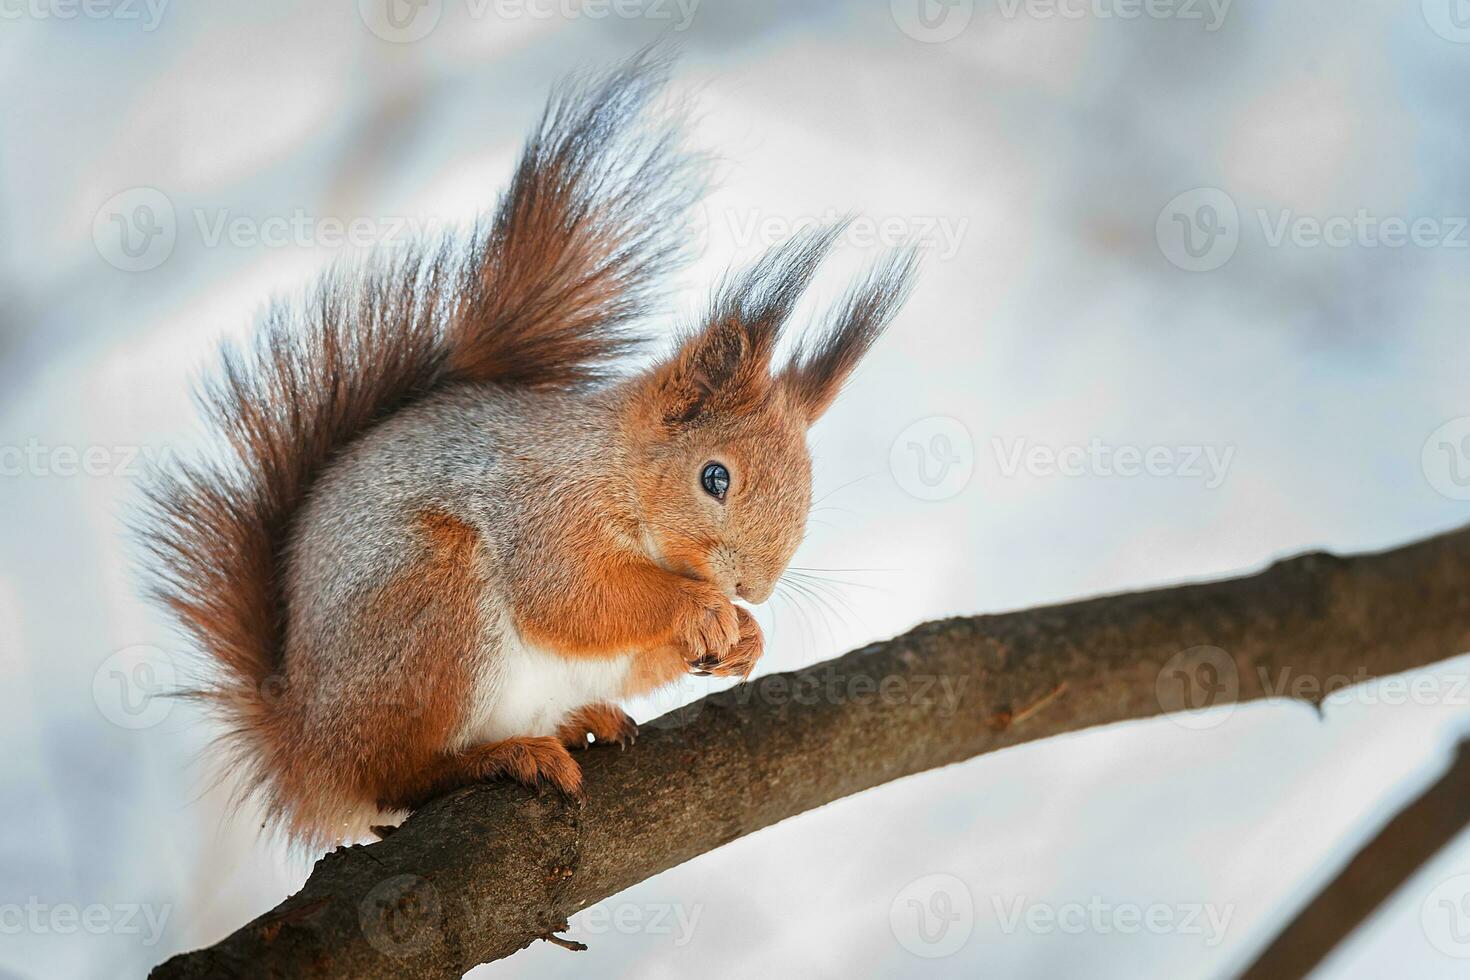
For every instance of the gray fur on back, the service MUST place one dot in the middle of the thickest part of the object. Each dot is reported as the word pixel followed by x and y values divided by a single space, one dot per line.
pixel 495 458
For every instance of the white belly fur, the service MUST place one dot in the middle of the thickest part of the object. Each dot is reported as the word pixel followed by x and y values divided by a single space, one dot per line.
pixel 530 691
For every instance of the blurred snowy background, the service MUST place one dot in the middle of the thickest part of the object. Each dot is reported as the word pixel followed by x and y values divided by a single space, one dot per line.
pixel 1231 233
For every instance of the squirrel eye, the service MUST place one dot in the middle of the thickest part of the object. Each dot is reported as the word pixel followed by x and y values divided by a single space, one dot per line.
pixel 715 479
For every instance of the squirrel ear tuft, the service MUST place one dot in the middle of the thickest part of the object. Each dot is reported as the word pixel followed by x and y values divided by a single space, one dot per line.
pixel 821 365
pixel 726 364
pixel 709 367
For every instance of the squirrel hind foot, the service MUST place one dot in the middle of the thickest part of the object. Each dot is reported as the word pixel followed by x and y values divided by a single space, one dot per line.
pixel 533 761
pixel 607 723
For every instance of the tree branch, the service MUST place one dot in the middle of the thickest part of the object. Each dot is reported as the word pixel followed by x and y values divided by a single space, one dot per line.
pixel 485 871
pixel 1407 842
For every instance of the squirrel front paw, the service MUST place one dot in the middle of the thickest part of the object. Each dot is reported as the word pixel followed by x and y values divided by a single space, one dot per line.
pixel 710 627
pixel 739 660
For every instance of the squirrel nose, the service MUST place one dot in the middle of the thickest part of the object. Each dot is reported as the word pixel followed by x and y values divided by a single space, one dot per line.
pixel 755 593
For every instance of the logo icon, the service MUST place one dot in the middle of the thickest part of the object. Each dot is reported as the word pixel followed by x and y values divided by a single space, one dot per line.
pixel 933 916
pixel 934 458
pixel 401 21
pixel 1445 916
pixel 1199 230
pixel 401 916
pixel 932 21
pixel 1450 19
pixel 1195 679
pixel 132 687
pixel 1446 459
pixel 135 230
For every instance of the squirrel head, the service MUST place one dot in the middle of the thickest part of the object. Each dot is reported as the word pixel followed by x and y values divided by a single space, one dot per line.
pixel 717 437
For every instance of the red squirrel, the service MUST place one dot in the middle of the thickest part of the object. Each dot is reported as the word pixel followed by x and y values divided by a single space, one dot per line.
pixel 453 528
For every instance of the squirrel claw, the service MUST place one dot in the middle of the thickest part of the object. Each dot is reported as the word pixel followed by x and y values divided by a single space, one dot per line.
pixel 713 629
pixel 607 723
pixel 740 659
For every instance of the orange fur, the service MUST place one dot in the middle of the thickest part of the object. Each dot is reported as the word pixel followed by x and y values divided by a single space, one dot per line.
pixel 616 603
pixel 397 757
pixel 645 564
pixel 654 668
pixel 532 761
pixel 386 739
pixel 658 667
pixel 432 609
pixel 740 659
pixel 607 723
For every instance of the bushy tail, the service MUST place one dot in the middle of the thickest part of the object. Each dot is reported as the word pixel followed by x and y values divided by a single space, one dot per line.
pixel 543 295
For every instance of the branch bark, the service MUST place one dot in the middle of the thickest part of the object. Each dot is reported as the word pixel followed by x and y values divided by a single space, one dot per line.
pixel 487 870
pixel 1405 844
